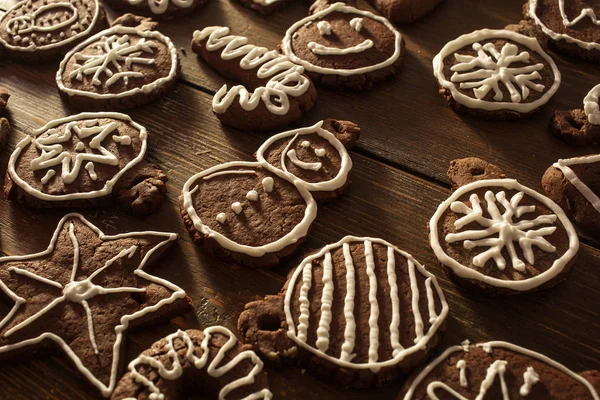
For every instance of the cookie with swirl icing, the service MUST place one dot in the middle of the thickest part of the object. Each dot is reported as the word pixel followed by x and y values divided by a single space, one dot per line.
pixel 579 127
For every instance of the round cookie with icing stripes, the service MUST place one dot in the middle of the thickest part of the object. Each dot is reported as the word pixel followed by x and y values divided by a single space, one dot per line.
pixel 360 311
pixel 273 91
pixel 579 127
pixel 157 9
pixel 86 160
pixel 574 185
pixel 257 213
pixel 211 362
pixel 498 370
pixel 495 74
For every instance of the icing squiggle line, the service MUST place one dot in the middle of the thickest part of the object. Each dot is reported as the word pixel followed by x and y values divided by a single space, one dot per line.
pixel 161 6
pixel 591 107
pixel 322 50
pixel 26 23
pixel 565 167
pixel 585 13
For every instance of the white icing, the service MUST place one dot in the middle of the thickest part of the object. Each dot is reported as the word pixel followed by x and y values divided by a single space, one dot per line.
pixel 313 166
pixel 221 218
pixel 585 13
pixel 430 301
pixel 326 301
pixel 305 144
pixel 491 72
pixel 252 195
pixel 27 23
pixel 236 207
pixel 462 366
pixel 374 313
pixel 320 152
pixel 123 140
pixel 323 50
pixel 265 2
pixel 324 28
pixel 414 288
pixel 91 171
pixel 395 300
pixel 591 107
pixel 350 328
pixel 530 378
pixel 356 23
pixel 159 7
pixel 267 184
pixel 49 175
pixel 304 302
pixel 229 172
pixel 565 167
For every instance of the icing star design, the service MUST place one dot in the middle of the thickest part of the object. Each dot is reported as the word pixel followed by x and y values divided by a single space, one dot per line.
pixel 89 287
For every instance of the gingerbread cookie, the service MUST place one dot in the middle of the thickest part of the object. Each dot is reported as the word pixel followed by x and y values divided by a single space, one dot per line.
pixel 571 26
pixel 498 370
pixel 157 9
pixel 359 311
pixel 86 160
pixel 42 30
pixel 4 124
pixel 579 127
pixel 82 293
pixel 119 68
pixel 573 184
pixel 497 74
pixel 211 362
pixel 259 212
pixel 282 93
pixel 500 237
pixel 343 46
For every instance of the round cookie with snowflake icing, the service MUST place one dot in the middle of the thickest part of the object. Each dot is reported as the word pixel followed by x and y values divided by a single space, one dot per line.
pixel 157 9
pixel 496 74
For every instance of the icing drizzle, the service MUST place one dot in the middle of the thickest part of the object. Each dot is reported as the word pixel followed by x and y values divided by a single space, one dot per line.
pixel 565 167
pixel 591 107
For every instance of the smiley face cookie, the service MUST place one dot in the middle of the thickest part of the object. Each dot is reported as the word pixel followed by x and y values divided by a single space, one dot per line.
pixel 345 47
pixel 579 127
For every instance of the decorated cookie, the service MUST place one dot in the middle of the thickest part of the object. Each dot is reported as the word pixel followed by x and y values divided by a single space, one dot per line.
pixel 579 127
pixel 4 124
pixel 500 237
pixel 496 74
pixel 571 26
pixel 574 185
pixel 43 30
pixel 497 370
pixel 282 93
pixel 344 46
pixel 157 9
pixel 259 212
pixel 360 311
pixel 86 160
pixel 211 362
pixel 82 294
pixel 119 68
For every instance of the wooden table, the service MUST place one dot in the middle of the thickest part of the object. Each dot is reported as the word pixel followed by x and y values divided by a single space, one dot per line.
pixel 408 138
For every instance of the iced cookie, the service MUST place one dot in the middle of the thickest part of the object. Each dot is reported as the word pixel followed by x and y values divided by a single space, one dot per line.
pixel 343 46
pixel 279 93
pixel 257 213
pixel 360 311
pixel 211 362
pixel 157 9
pixel 579 127
pixel 4 124
pixel 495 74
pixel 86 160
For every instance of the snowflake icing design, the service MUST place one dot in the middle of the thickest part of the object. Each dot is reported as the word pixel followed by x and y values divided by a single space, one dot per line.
pixel 502 225
pixel 486 72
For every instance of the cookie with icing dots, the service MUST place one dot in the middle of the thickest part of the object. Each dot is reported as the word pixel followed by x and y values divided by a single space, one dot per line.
pixel 273 91
pixel 342 46
pixel 579 127
pixel 4 124
pixel 43 30
pixel 499 237
pixel 157 9
pixel 573 184
pixel 360 312
pixel 126 66
pixel 495 74
pixel 499 370
pixel 257 213
pixel 86 160
pixel 82 294
pixel 212 362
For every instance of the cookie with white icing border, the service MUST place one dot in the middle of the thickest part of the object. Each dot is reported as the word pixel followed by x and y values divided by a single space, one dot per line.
pixel 495 74
pixel 159 9
pixel 360 312
pixel 211 362
pixel 43 30
pixel 119 68
pixel 499 237
pixel 86 160
pixel 82 294
pixel 273 91
pixel 4 124
pixel 497 370
pixel 257 213
pixel 342 46
pixel 579 127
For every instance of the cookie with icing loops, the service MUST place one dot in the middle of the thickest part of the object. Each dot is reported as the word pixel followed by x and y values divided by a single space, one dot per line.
pixel 579 127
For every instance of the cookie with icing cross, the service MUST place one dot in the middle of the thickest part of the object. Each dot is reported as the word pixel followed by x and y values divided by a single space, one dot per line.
pixel 273 91
pixel 359 311
pixel 257 213
pixel 495 74
pixel 86 160
pixel 157 9
pixel 579 127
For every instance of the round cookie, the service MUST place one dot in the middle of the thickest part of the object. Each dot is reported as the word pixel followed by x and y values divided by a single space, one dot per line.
pixel 498 370
pixel 495 74
pixel 579 127
pixel 211 362
pixel 342 46
pixel 359 311
pixel 157 9
pixel 43 30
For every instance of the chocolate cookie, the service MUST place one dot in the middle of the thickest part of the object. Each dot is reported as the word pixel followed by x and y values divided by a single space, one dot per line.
pixel 495 74
pixel 404 11
pixel 343 46
pixel 119 68
pixel 264 7
pixel 259 212
pixel 4 124
pixel 572 26
pixel 497 370
pixel 359 311
pixel 157 9
pixel 573 184
pixel 282 93
pixel 579 127
pixel 86 160
pixel 211 362
pixel 82 293
pixel 500 237
pixel 43 30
